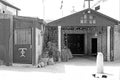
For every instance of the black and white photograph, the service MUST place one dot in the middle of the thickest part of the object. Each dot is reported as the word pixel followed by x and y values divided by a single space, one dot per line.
pixel 59 39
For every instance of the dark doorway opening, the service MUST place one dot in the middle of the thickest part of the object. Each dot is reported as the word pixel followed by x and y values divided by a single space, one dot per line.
pixel 75 43
pixel 94 46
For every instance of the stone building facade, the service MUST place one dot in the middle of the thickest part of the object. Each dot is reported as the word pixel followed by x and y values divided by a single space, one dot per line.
pixel 85 33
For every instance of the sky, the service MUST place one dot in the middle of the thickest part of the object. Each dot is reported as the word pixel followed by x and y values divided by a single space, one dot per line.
pixel 52 11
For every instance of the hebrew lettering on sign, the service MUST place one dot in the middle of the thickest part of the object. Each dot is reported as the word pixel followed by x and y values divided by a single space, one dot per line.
pixel 22 51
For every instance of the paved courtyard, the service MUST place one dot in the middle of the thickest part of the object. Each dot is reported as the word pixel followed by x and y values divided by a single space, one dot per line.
pixel 79 68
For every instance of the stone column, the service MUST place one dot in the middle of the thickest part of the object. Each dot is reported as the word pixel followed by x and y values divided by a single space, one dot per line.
pixel 108 43
pixel 59 40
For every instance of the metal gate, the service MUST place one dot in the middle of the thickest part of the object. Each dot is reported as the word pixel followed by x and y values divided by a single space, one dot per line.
pixel 22 46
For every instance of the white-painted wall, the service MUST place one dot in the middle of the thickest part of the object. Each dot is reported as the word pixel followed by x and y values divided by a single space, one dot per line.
pixel 59 38
pixel 11 11
pixel 108 43
pixel 39 41
pixel 7 9
pixel 2 8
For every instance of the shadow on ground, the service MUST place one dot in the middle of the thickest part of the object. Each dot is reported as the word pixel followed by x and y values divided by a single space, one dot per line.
pixel 56 68
pixel 60 67
pixel 82 61
pixel 90 61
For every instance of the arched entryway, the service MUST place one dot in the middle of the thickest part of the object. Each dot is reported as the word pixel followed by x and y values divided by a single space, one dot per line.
pixel 76 43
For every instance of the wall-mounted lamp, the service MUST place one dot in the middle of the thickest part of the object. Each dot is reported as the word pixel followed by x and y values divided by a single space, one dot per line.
pixel 96 34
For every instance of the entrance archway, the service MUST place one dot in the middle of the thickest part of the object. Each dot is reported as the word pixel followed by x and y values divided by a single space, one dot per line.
pixel 76 43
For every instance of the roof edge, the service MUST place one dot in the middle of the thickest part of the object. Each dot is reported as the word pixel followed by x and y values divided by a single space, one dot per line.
pixel 99 13
pixel 8 4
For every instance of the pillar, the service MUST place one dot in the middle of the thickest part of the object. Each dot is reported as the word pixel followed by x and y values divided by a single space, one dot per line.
pixel 59 40
pixel 108 43
pixel 116 42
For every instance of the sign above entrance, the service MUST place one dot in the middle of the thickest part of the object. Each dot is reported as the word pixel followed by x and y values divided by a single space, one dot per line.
pixel 90 28
pixel 87 18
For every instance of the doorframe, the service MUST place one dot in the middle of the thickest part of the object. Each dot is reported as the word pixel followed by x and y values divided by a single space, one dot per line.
pixel 32 44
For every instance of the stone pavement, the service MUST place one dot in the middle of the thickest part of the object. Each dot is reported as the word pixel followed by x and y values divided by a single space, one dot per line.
pixel 75 69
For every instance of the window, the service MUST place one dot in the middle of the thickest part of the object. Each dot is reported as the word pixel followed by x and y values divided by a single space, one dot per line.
pixel 94 21
pixel 85 16
pixel 90 21
pixel 81 21
pixel 90 17
pixel 87 19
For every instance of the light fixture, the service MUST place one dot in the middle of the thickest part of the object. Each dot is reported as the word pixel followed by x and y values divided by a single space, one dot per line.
pixel 89 11
pixel 96 34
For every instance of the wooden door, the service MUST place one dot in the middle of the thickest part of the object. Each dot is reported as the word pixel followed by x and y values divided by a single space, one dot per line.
pixel 22 46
